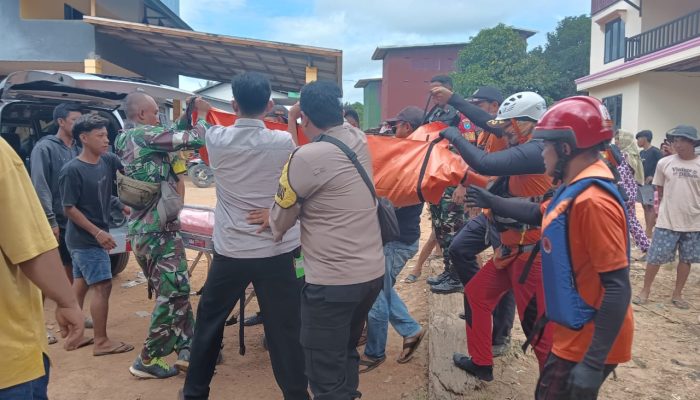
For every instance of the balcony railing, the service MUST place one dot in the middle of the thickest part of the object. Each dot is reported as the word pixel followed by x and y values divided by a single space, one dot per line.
pixel 672 33
pixel 597 5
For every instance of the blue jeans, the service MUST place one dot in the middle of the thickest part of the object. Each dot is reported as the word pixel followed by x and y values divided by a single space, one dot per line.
pixel 390 308
pixel 32 390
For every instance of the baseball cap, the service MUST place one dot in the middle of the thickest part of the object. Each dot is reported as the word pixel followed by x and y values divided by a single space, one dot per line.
pixel 279 111
pixel 486 93
pixel 411 114
pixel 685 131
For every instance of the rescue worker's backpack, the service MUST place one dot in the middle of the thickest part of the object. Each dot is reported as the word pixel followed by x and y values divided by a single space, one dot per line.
pixel 563 301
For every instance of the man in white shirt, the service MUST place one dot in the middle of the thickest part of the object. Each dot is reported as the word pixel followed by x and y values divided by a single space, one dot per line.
pixel 677 181
pixel 247 159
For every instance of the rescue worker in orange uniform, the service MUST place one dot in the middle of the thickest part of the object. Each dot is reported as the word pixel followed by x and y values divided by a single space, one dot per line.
pixel 521 174
pixel 585 236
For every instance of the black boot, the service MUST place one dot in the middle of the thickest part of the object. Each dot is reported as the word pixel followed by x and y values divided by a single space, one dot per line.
pixel 464 362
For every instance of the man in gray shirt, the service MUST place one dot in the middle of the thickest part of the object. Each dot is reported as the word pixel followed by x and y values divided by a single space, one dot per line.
pixel 340 235
pixel 49 155
pixel 247 159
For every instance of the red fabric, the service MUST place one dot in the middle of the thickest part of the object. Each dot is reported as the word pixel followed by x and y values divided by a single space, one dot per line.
pixel 225 118
pixel 396 162
pixel 484 291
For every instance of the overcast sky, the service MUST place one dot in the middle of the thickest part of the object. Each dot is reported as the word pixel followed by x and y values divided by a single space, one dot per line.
pixel 357 27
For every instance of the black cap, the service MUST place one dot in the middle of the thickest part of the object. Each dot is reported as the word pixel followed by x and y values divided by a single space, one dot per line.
pixel 411 114
pixel 486 93
pixel 279 111
pixel 685 131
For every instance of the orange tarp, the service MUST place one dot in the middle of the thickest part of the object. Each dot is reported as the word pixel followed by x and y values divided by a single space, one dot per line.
pixel 397 163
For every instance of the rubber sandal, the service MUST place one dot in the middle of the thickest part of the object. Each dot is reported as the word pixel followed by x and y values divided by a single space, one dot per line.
pixel 410 279
pixel 681 304
pixel 411 347
pixel 122 348
pixel 84 343
pixel 370 363
pixel 51 338
pixel 639 301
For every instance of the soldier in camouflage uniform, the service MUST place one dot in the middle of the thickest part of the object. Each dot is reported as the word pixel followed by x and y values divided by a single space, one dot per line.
pixel 144 149
pixel 448 218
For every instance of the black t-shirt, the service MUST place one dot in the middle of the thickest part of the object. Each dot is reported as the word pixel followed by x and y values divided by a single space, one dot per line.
pixel 409 223
pixel 650 158
pixel 88 187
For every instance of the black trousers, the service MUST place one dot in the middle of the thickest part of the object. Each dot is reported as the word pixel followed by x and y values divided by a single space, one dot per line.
pixel 332 318
pixel 469 243
pixel 278 293
pixel 552 384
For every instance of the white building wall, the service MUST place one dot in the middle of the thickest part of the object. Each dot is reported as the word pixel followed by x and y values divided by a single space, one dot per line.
pixel 667 99
pixel 659 12
pixel 633 26
pixel 629 89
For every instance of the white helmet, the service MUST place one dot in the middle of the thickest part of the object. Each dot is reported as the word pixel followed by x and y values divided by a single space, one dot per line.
pixel 522 104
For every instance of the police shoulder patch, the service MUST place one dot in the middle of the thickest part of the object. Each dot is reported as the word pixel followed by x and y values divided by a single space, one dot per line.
pixel 286 197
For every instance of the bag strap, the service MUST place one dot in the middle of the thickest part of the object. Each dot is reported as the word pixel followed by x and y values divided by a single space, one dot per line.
pixel 424 167
pixel 353 158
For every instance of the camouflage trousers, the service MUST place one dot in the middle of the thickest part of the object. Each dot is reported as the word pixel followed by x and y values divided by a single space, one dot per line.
pixel 448 219
pixel 162 258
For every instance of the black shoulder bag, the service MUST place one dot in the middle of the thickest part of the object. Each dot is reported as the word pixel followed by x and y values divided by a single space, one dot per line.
pixel 385 210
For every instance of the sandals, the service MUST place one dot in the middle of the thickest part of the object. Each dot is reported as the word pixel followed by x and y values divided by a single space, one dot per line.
pixel 411 279
pixel 681 304
pixel 411 344
pixel 370 363
pixel 639 301
pixel 51 338
pixel 121 348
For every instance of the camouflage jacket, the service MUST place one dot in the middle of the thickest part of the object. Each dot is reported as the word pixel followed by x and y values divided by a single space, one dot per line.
pixel 144 152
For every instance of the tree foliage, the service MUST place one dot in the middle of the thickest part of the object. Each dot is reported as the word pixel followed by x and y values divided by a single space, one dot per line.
pixel 499 57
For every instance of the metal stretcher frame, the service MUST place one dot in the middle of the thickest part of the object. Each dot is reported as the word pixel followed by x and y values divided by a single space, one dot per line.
pixel 204 246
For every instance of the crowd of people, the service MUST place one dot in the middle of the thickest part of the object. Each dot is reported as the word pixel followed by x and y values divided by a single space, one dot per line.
pixel 546 190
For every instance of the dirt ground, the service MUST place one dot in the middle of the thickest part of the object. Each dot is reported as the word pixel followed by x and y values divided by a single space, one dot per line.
pixel 79 375
pixel 666 363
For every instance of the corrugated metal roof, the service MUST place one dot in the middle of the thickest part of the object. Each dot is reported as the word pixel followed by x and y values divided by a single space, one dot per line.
pixel 364 82
pixel 218 57
pixel 380 52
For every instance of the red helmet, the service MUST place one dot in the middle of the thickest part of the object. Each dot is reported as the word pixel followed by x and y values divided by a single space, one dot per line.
pixel 582 121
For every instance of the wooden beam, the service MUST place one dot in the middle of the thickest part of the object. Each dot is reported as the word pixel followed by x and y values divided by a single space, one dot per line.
pixel 93 8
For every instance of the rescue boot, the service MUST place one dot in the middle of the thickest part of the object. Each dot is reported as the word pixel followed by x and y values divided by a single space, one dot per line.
pixel 464 362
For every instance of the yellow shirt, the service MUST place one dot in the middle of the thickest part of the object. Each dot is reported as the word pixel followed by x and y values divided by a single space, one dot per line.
pixel 24 234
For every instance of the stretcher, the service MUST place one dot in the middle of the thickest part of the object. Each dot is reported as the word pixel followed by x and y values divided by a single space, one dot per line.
pixel 197 230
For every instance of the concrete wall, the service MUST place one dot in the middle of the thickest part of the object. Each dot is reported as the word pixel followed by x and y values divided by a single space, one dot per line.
pixel 116 52
pixel 657 13
pixel 407 73
pixel 629 89
pixel 668 99
pixel 43 40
